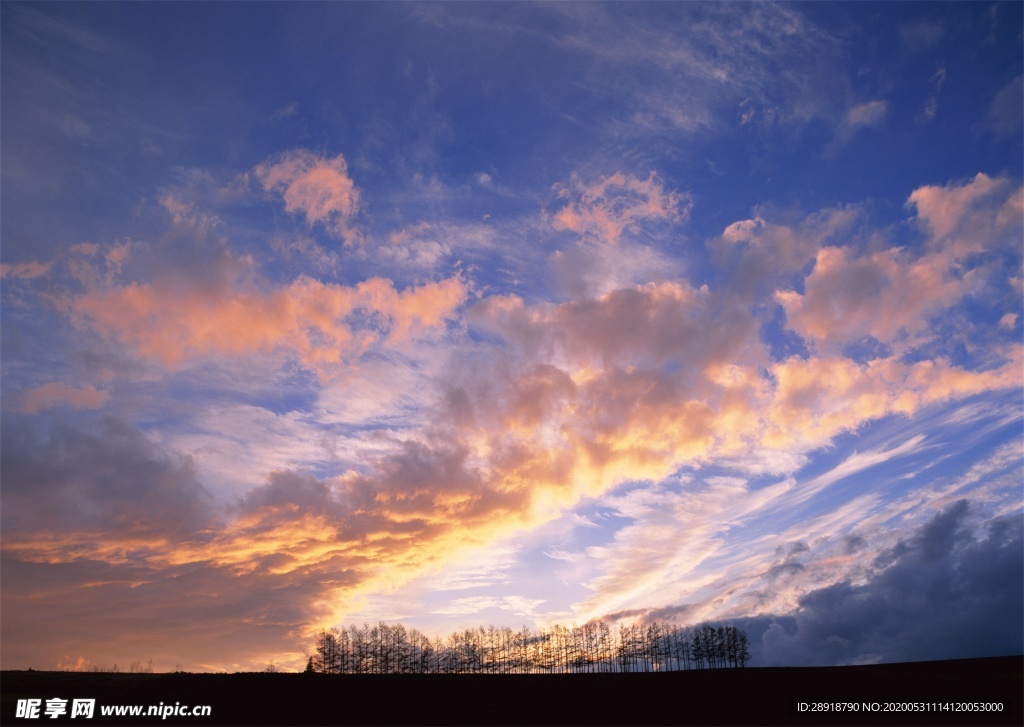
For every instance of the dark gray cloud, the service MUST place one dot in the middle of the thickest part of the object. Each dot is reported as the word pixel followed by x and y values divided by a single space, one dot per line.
pixel 946 592
pixel 949 591
pixel 110 479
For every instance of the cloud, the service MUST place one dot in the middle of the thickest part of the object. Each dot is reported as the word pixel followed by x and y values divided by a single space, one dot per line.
pixel 57 394
pixel 306 248
pixel 969 217
pixel 236 444
pixel 1005 115
pixel 307 443
pixel 853 119
pixel 590 269
pixel 818 398
pixel 24 271
pixel 757 254
pixel 607 208
pixel 286 112
pixel 675 532
pixel 625 382
pixel 580 395
pixel 726 547
pixel 472 570
pixel 113 518
pixel 292 553
pixel 424 245
pixel 323 325
pixel 931 104
pixel 79 664
pixel 890 295
pixel 944 593
pixel 559 554
pixel 1001 465
pixel 921 34
pixel 882 295
pixel 315 186
pixel 767 60
pixel 644 379
pixel 928 110
pixel 645 325
pixel 65 483
pixel 517 605
pixel 720 549
pixel 540 405
pixel 866 114
pixel 858 462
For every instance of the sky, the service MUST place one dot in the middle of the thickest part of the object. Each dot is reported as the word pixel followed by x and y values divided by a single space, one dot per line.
pixel 508 313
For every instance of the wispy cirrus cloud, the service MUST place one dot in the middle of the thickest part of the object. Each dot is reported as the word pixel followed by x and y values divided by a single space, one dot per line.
pixel 720 546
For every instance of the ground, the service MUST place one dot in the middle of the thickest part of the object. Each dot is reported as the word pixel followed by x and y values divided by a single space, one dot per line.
pixel 932 693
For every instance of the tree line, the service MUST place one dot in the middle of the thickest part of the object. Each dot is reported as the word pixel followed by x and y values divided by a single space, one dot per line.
pixel 590 648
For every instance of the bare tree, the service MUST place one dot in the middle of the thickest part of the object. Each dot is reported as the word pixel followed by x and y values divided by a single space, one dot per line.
pixel 326 660
pixel 592 647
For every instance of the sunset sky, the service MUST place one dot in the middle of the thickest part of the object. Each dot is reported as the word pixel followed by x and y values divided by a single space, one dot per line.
pixel 516 314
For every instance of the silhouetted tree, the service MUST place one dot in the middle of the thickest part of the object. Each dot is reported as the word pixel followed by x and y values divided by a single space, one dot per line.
pixel 592 647
pixel 326 660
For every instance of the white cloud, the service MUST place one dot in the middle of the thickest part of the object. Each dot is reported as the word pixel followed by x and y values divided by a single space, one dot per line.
pixel 567 556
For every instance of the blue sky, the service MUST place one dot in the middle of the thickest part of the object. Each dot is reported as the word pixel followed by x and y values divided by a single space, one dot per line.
pixel 470 313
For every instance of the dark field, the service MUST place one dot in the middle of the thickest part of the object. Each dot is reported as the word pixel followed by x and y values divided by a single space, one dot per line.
pixel 723 697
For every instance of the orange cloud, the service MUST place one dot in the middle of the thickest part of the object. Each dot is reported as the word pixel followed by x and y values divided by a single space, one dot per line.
pixel 582 396
pixel 818 398
pixel 296 552
pixel 315 186
pixel 608 207
pixel 577 397
pixel 323 324
pixel 891 294
pixel 642 381
pixel 631 385
pixel 57 394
